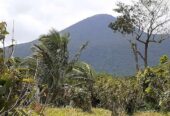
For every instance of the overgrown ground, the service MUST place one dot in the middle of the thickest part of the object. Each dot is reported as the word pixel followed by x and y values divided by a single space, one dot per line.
pixel 95 112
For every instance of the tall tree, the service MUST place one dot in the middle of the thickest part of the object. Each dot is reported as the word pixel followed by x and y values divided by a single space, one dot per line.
pixel 51 55
pixel 3 33
pixel 147 21
pixel 54 65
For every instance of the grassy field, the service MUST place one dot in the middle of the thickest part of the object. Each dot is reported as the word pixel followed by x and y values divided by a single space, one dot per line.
pixel 150 114
pixel 73 112
pixel 95 112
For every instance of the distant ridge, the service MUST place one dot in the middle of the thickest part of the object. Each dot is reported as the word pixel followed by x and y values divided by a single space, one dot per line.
pixel 107 51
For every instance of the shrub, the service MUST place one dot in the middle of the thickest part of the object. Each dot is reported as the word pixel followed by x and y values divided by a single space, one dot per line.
pixel 154 83
pixel 117 94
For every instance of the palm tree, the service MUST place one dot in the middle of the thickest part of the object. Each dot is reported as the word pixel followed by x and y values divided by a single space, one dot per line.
pixel 53 56
pixel 54 66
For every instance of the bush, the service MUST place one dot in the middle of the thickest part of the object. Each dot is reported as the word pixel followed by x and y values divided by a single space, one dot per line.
pixel 154 83
pixel 117 94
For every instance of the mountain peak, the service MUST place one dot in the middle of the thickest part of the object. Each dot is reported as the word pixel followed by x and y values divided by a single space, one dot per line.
pixel 101 16
pixel 98 17
pixel 107 51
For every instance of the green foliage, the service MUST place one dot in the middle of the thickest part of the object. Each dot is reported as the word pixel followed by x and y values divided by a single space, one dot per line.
pixel 154 83
pixel 81 99
pixel 124 23
pixel 12 89
pixel 149 90
pixel 163 59
pixel 164 102
pixel 116 94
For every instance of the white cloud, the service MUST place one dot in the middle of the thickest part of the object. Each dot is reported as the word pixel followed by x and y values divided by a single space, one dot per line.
pixel 35 17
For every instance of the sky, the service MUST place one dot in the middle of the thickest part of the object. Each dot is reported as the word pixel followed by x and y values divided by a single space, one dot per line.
pixel 35 17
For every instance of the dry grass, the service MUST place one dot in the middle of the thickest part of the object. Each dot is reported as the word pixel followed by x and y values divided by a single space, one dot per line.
pixel 73 112
pixel 95 112
pixel 150 114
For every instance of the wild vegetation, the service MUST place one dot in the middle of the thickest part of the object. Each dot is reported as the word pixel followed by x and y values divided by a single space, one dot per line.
pixel 51 79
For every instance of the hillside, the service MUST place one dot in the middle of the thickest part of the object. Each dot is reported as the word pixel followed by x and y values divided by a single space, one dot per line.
pixel 107 51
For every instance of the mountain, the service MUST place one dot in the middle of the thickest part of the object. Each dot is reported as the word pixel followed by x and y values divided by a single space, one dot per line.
pixel 106 51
